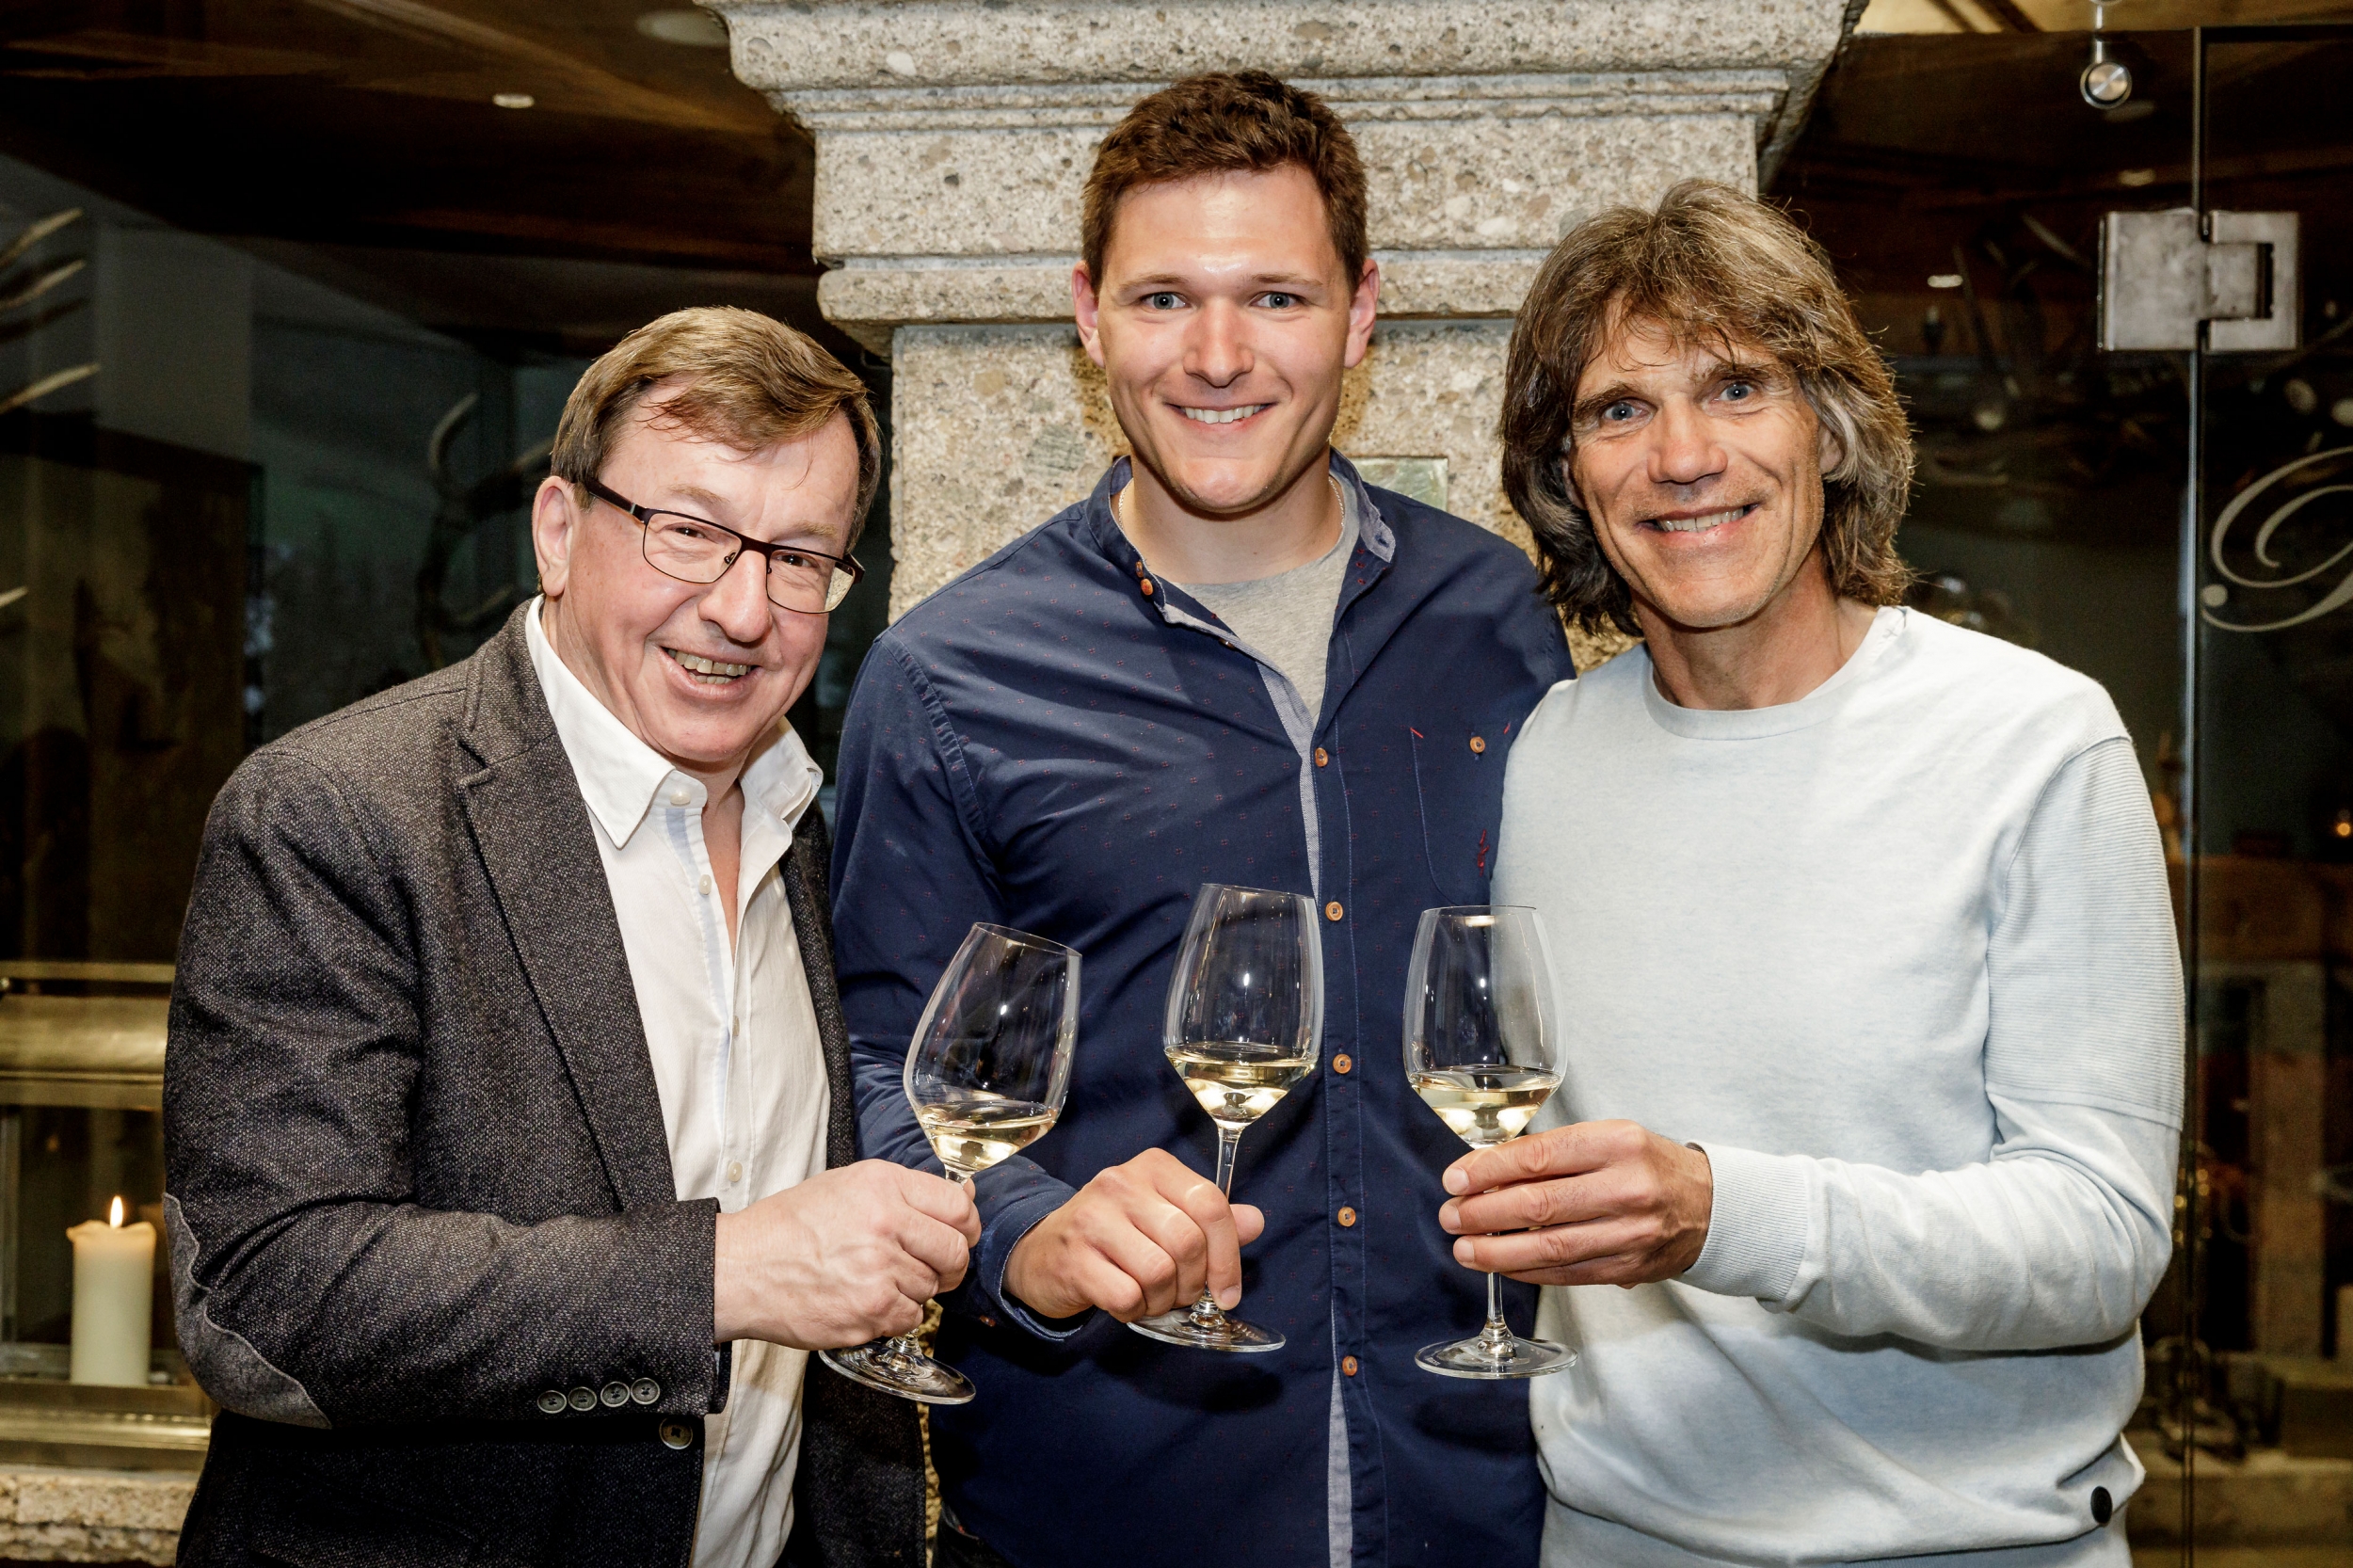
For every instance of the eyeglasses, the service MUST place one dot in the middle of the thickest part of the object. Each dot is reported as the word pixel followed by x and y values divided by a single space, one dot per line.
pixel 696 550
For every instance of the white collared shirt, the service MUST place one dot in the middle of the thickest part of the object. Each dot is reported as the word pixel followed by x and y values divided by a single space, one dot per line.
pixel 733 1034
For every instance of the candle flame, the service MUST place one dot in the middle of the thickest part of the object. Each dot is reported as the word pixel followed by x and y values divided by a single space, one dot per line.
pixel 114 1215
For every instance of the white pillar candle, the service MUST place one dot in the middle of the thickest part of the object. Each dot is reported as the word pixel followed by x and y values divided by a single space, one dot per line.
pixel 114 1285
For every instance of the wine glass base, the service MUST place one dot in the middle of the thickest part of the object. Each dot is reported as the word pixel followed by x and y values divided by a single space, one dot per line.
pixel 1476 1357
pixel 1213 1331
pixel 917 1377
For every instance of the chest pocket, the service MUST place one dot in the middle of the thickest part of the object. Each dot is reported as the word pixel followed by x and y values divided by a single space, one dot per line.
pixel 1457 786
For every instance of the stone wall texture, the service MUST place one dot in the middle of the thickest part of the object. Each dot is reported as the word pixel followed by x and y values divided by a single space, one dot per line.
pixel 811 45
pixel 65 1515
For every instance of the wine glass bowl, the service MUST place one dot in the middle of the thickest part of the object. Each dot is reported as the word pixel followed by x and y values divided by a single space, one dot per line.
pixel 1483 1052
pixel 1243 1026
pixel 987 1074
pixel 991 1061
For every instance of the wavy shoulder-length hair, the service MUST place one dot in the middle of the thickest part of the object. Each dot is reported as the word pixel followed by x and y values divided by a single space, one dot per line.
pixel 1710 266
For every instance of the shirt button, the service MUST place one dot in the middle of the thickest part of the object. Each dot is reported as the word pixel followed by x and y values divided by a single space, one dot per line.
pixel 1479 746
pixel 1346 1216
pixel 584 1399
pixel 1341 1063
pixel 706 883
pixel 735 1172
pixel 616 1395
pixel 679 797
pixel 644 1391
pixel 552 1402
pixel 1322 756
pixel 1147 586
pixel 1332 910
pixel 676 1434
pixel 1348 1365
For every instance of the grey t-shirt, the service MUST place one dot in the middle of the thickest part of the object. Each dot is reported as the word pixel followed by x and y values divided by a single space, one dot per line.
pixel 1287 619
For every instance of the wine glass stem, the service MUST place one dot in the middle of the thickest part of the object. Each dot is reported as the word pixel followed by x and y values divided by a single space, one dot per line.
pixel 1206 1311
pixel 1496 1338
pixel 1228 1141
pixel 905 1347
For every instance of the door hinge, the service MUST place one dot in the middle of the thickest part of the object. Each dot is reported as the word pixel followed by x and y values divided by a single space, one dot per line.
pixel 2160 277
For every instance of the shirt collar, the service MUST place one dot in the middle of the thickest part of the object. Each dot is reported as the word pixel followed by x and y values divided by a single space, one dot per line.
pixel 1373 533
pixel 621 778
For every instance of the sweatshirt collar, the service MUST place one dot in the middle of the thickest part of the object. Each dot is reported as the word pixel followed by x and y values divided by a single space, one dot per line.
pixel 1754 723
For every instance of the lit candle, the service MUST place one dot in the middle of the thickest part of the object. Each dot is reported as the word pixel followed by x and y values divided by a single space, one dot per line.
pixel 114 1283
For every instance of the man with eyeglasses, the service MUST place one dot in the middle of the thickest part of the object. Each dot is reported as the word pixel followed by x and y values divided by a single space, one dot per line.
pixel 507 1069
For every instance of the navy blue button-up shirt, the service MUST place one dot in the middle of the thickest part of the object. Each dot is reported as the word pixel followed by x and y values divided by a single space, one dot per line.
pixel 1058 743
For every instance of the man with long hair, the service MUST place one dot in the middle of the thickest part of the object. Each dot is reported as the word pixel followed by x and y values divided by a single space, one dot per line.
pixel 1866 958
pixel 1235 662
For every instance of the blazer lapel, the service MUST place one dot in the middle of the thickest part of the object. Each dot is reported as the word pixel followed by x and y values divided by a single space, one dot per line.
pixel 537 847
pixel 812 928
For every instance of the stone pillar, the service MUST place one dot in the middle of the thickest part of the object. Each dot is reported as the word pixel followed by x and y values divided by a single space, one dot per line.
pixel 953 138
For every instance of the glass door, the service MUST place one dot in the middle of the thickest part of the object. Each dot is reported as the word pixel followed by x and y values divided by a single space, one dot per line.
pixel 2258 1368
pixel 2170 510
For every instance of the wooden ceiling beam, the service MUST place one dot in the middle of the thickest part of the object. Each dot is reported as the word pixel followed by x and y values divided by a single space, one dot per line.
pixel 560 80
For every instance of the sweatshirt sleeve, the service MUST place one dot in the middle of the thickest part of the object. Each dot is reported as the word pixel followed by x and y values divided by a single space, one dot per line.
pixel 911 875
pixel 2060 1236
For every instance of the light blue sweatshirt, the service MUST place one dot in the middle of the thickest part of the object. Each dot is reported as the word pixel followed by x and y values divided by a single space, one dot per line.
pixel 1900 957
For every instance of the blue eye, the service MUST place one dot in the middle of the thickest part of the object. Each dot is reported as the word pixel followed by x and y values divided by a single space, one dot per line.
pixel 1161 301
pixel 1739 391
pixel 1282 302
pixel 1619 411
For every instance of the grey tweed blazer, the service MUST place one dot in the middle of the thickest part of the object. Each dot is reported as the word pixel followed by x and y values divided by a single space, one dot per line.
pixel 418 1182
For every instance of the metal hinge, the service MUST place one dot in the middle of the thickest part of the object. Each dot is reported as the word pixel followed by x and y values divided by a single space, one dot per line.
pixel 2159 277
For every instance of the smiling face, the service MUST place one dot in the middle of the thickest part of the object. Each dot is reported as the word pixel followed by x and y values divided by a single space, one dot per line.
pixel 1224 322
pixel 700 672
pixel 1701 467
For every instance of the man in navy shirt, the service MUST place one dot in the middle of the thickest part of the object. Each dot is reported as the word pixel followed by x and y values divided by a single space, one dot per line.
pixel 1235 662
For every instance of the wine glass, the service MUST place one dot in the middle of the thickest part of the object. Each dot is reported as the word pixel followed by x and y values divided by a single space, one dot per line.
pixel 987 1074
pixel 1245 1013
pixel 1483 1052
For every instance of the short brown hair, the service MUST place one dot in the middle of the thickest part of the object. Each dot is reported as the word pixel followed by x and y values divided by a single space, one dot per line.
pixel 756 382
pixel 1228 123
pixel 1709 265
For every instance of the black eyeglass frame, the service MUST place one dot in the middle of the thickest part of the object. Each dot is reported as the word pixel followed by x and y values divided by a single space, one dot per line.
pixel 644 517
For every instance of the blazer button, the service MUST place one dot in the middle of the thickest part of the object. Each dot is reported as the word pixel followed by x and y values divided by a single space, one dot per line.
pixel 676 1434
pixel 644 1391
pixel 584 1399
pixel 552 1402
pixel 616 1395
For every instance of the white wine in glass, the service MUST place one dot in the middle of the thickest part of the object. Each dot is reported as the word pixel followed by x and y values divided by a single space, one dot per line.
pixel 1245 1016
pixel 1482 1050
pixel 975 1130
pixel 1484 1106
pixel 987 1074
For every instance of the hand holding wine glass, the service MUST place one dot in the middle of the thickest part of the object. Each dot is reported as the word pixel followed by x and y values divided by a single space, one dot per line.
pixel 1482 1050
pixel 1244 1022
pixel 987 1074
